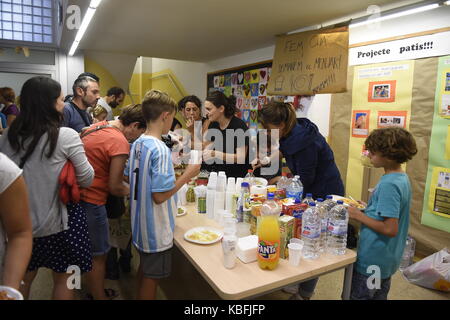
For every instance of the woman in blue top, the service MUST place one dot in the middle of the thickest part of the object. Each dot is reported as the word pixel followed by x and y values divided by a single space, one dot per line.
pixel 308 155
pixel 306 152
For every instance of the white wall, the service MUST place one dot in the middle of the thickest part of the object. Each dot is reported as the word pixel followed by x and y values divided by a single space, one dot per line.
pixel 68 70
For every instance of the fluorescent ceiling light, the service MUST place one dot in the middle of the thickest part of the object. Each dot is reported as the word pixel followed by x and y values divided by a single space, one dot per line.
pixel 447 3
pixel 396 15
pixel 84 25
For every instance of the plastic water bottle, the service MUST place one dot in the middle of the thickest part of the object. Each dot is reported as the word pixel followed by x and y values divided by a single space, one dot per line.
pixel 243 202
pixel 408 253
pixel 249 177
pixel 323 214
pixel 311 232
pixel 283 182
pixel 308 198
pixel 229 242
pixel 329 203
pixel 295 189
pixel 337 229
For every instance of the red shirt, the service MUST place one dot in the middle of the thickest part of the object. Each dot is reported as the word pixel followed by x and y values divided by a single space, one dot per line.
pixel 100 147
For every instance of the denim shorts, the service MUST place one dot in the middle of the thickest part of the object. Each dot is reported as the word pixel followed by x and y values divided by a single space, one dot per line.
pixel 361 291
pixel 156 265
pixel 98 228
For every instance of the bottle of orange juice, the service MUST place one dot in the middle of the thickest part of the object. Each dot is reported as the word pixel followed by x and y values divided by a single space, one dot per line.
pixel 269 234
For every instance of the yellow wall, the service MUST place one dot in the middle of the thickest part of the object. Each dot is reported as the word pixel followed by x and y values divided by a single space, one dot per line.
pixel 140 83
pixel 107 81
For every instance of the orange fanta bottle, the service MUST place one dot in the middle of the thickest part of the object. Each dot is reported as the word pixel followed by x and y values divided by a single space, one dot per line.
pixel 269 234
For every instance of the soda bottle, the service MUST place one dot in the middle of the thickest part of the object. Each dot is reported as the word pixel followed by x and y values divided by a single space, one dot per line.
pixel 308 198
pixel 269 234
pixel 249 177
pixel 337 229
pixel 311 232
pixel 295 189
pixel 323 214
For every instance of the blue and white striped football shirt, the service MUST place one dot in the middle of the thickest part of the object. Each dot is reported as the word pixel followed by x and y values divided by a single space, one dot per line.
pixel 150 170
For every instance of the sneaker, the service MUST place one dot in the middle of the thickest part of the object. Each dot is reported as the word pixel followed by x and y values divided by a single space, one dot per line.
pixel 296 297
pixel 291 289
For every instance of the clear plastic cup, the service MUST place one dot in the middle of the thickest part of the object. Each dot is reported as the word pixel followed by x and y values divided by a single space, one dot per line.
pixel 243 229
pixel 295 252
pixel 296 240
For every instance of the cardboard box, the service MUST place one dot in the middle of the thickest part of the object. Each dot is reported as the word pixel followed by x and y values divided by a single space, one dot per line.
pixel 286 224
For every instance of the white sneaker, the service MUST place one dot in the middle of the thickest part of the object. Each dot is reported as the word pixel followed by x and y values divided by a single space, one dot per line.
pixel 291 289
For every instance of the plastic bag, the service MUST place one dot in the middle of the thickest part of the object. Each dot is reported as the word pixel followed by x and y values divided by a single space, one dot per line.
pixel 432 272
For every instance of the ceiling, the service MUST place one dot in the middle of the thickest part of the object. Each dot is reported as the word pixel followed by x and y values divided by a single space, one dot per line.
pixel 203 30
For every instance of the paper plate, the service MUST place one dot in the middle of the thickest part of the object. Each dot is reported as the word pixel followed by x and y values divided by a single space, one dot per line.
pixel 11 293
pixel 202 234
pixel 183 213
pixel 336 198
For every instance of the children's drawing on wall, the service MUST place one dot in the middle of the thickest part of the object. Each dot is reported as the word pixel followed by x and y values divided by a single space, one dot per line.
pixel 360 123
pixel 392 119
pixel 382 91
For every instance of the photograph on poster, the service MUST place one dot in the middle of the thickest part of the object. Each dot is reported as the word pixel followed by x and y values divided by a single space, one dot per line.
pixel 382 91
pixel 445 105
pixel 444 180
pixel 360 123
pixel 447 81
pixel 392 119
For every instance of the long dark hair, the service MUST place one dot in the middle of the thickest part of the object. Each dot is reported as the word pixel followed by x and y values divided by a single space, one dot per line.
pixel 38 116
pixel 218 99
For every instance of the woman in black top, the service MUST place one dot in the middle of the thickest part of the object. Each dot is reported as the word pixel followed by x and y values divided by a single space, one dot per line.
pixel 230 154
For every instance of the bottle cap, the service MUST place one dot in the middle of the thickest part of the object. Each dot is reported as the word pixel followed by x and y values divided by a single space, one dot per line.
pixel 270 196
pixel 297 200
pixel 312 204
pixel 309 195
pixel 340 202
pixel 329 197
pixel 245 185
pixel 319 200
pixel 250 171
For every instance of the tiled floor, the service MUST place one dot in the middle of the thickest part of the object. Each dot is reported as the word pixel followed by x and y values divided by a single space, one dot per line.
pixel 187 283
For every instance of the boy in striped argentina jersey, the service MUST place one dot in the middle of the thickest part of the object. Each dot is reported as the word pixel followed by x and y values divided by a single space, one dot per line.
pixel 152 193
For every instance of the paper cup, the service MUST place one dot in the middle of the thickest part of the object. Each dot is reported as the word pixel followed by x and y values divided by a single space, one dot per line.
pixel 295 252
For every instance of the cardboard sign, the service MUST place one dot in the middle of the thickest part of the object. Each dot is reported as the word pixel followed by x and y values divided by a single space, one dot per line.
pixel 310 62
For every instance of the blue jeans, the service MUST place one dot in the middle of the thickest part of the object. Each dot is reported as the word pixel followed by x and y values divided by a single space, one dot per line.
pixel 360 290
pixel 98 228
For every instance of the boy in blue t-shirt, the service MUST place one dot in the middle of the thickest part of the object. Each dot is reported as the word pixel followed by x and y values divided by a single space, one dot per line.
pixel 152 193
pixel 385 222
